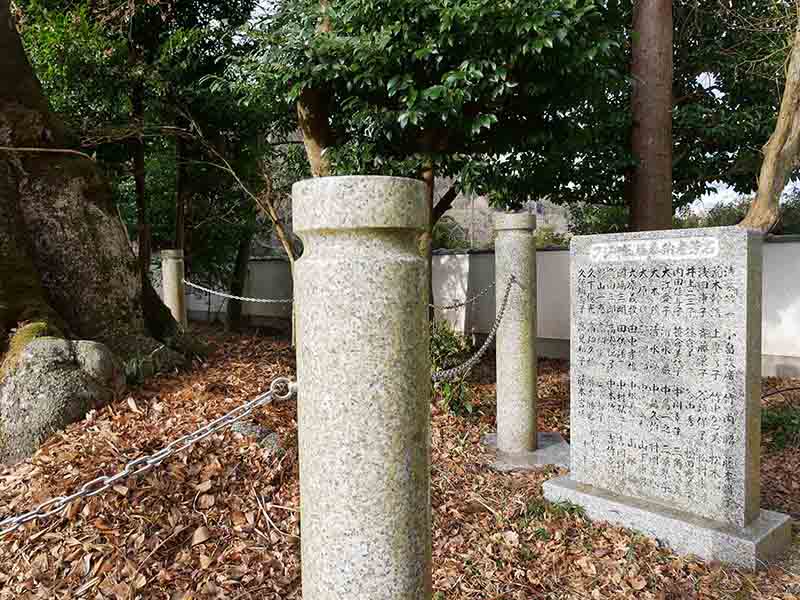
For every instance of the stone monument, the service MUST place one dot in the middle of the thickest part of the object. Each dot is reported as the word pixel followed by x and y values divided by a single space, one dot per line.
pixel 518 443
pixel 172 273
pixel 665 378
pixel 365 389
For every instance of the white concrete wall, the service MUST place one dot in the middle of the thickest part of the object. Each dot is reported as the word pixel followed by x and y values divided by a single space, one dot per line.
pixel 450 286
pixel 460 276
pixel 268 278
pixel 477 271
pixel 780 347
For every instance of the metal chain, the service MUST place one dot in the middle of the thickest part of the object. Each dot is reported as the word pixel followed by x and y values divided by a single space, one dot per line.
pixel 241 298
pixel 140 465
pixel 483 292
pixel 466 367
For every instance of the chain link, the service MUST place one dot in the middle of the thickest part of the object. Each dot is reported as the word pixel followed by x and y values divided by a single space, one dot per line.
pixel 483 292
pixel 467 366
pixel 280 389
pixel 241 298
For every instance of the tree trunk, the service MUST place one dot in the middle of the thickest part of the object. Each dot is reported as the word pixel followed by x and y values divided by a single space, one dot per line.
pixel 238 282
pixel 22 298
pixel 66 266
pixel 652 115
pixel 781 152
pixel 137 149
pixel 181 194
pixel 313 116
pixel 445 203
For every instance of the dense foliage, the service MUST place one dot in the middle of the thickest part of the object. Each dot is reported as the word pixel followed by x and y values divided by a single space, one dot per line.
pixel 468 85
pixel 523 100
pixel 96 59
pixel 514 100
pixel 449 349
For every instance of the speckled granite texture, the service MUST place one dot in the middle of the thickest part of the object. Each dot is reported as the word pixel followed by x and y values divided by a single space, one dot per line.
pixel 664 382
pixel 515 254
pixel 763 539
pixel 551 449
pixel 364 389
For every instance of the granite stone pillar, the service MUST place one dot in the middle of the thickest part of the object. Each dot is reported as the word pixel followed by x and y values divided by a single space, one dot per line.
pixel 518 444
pixel 172 284
pixel 364 379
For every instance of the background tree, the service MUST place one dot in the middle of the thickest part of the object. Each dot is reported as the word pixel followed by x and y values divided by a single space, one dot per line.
pixel 99 60
pixel 66 268
pixel 428 89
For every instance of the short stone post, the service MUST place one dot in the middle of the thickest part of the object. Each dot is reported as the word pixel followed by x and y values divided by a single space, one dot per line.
pixel 364 382
pixel 518 444
pixel 172 284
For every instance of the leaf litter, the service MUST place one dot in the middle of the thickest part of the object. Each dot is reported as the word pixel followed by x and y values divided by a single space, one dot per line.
pixel 222 520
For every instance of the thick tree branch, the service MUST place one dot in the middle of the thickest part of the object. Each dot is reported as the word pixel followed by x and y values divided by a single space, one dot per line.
pixel 314 119
pixel 445 203
pixel 782 151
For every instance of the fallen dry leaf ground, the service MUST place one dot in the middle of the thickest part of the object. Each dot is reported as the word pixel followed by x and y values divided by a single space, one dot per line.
pixel 222 520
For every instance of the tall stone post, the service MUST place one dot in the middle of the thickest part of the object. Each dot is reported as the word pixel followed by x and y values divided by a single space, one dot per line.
pixel 364 379
pixel 519 446
pixel 172 284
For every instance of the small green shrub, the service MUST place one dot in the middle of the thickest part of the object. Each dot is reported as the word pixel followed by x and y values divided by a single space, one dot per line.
pixel 449 349
pixel 538 508
pixel 782 425
pixel 448 234
pixel 456 397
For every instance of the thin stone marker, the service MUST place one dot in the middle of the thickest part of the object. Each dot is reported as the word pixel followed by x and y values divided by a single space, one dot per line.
pixel 172 273
pixel 519 445
pixel 364 375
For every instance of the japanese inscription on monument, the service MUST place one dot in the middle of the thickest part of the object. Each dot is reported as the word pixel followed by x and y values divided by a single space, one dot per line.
pixel 665 366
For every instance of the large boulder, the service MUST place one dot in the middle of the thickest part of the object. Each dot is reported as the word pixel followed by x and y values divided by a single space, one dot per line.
pixel 54 382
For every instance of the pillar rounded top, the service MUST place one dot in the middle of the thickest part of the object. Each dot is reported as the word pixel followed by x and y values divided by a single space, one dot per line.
pixel 359 202
pixel 173 254
pixel 521 220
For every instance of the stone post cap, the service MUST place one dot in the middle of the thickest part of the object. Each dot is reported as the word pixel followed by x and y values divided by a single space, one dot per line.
pixel 359 202
pixel 521 220
pixel 172 254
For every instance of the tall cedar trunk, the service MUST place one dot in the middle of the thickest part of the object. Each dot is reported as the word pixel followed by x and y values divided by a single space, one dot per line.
pixel 781 152
pixel 430 184
pixel 652 115
pixel 181 194
pixel 238 282
pixel 64 249
pixel 137 149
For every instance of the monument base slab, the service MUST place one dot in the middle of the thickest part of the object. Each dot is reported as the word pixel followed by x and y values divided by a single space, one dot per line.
pixel 551 450
pixel 750 547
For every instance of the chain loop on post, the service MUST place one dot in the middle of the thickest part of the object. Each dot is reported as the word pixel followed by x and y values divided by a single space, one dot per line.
pixel 469 364
pixel 139 465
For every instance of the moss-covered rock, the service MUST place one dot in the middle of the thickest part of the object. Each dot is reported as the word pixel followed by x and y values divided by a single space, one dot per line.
pixel 18 342
pixel 55 382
